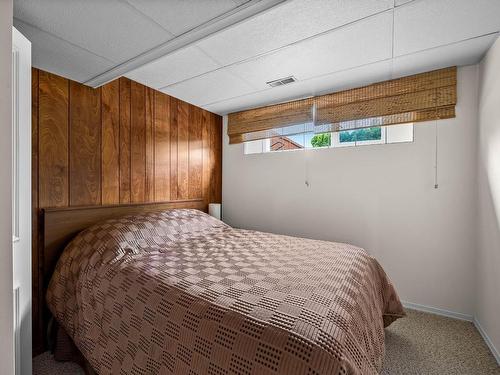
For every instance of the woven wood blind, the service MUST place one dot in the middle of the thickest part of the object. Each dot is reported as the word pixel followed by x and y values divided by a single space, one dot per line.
pixel 416 98
pixel 260 123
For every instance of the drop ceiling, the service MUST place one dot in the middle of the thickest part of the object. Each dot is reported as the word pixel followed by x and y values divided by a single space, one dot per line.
pixel 219 54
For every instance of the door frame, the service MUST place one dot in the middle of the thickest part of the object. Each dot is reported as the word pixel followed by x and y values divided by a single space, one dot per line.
pixel 21 202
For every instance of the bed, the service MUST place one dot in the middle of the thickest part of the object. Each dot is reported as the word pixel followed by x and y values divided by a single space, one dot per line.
pixel 179 292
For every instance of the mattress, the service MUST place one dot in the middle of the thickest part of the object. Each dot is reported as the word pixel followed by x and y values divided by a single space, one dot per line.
pixel 179 292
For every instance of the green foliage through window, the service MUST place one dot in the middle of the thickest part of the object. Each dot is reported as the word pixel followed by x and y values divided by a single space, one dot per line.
pixel 367 134
pixel 321 140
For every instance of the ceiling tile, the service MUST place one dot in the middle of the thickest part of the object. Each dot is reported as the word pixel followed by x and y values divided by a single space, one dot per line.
pixel 57 56
pixel 361 43
pixel 320 85
pixel 211 87
pixel 112 29
pixel 180 16
pixel 430 23
pixel 461 53
pixel 285 24
pixel 175 67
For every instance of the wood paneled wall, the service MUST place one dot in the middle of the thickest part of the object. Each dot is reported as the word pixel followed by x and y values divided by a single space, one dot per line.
pixel 121 143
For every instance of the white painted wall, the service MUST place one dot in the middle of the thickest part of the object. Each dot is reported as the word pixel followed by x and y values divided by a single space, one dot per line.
pixel 379 197
pixel 6 307
pixel 488 260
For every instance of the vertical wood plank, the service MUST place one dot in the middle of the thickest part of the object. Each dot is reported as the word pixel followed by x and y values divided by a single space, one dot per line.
pixel 150 145
pixel 53 140
pixel 195 166
pixel 162 147
pixel 174 104
pixel 205 135
pixel 216 159
pixel 182 150
pixel 53 162
pixel 110 150
pixel 85 142
pixel 137 142
pixel 124 140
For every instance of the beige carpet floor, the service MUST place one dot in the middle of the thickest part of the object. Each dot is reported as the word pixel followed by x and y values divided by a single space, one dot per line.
pixel 419 344
pixel 429 344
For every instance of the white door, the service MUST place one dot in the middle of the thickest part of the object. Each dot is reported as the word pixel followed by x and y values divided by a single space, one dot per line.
pixel 21 199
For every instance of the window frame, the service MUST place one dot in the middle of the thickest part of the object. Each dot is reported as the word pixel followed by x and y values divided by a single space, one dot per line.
pixel 335 142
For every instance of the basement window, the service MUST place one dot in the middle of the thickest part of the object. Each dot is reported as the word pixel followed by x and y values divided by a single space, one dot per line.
pixel 378 135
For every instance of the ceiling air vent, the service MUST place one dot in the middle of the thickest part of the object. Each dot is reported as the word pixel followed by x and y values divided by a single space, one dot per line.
pixel 282 81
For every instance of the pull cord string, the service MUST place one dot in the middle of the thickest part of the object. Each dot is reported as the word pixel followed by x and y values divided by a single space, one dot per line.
pixel 306 151
pixel 306 167
pixel 436 185
pixel 436 141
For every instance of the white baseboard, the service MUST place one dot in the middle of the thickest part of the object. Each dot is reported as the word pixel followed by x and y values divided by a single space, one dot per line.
pixel 460 316
pixel 487 340
pixel 436 311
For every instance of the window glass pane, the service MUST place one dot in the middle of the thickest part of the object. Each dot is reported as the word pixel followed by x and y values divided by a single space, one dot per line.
pixel 284 143
pixel 365 134
pixel 321 140
pixel 307 139
pixel 297 141
pixel 336 141
pixel 399 133
pixel 253 147
pixel 266 145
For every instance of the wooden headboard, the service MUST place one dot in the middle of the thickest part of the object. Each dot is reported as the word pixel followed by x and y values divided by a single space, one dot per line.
pixel 61 225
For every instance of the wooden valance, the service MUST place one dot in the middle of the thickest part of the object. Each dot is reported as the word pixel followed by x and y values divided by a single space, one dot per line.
pixel 416 98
